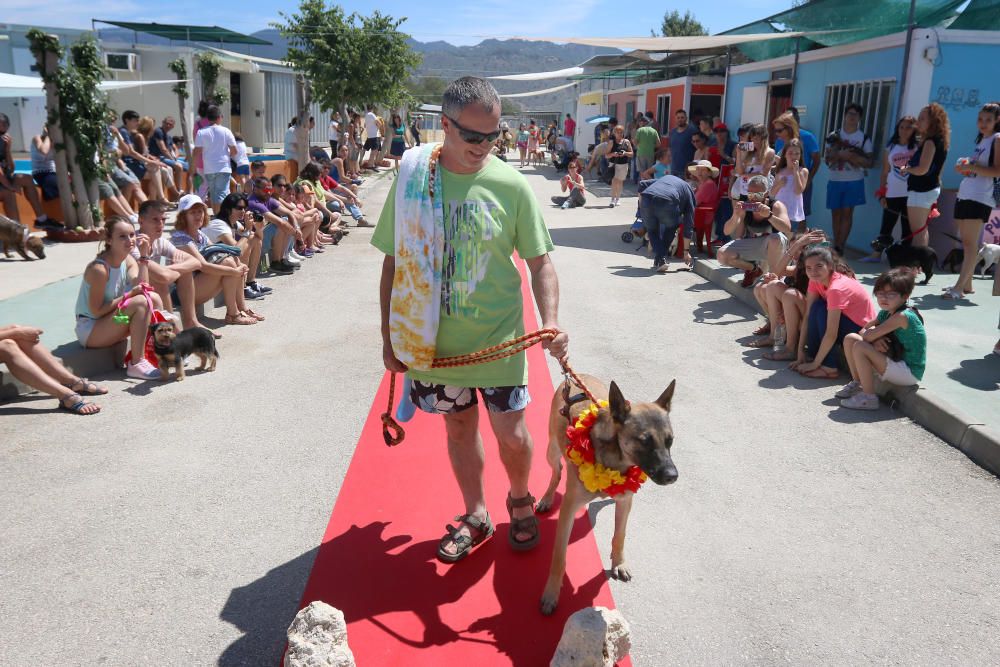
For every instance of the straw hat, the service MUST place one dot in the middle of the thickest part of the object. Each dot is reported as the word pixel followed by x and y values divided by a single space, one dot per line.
pixel 703 163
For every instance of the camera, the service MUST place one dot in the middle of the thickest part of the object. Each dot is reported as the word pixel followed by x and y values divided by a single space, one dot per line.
pixel 257 217
pixel 746 145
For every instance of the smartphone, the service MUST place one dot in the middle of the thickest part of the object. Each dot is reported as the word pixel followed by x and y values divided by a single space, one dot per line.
pixel 746 145
pixel 750 205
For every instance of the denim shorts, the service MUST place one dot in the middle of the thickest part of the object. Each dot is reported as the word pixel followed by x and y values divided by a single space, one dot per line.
pixel 443 399
pixel 218 186
pixel 845 194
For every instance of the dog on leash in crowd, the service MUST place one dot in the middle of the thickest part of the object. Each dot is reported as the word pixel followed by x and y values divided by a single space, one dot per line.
pixel 623 435
pixel 172 347
pixel 989 255
pixel 914 256
pixel 14 235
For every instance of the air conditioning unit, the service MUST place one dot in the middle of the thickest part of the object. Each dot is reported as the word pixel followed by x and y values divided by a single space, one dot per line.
pixel 122 62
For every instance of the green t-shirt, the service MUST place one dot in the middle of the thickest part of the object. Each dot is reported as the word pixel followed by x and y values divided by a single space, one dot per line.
pixel 488 215
pixel 914 340
pixel 646 141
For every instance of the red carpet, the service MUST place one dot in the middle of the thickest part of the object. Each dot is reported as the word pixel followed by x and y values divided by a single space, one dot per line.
pixel 377 561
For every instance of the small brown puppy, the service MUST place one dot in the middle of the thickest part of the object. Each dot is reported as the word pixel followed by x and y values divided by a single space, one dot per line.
pixel 15 235
pixel 172 347
pixel 624 435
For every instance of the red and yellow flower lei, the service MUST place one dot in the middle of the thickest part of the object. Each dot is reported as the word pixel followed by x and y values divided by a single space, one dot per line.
pixel 595 477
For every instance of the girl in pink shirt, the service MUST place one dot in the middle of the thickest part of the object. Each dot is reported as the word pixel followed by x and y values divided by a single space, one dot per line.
pixel 837 305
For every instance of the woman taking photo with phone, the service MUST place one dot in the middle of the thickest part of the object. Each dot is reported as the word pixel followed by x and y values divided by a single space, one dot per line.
pixel 619 156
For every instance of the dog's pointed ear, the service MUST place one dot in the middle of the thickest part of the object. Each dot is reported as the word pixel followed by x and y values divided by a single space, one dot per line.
pixel 619 406
pixel 667 396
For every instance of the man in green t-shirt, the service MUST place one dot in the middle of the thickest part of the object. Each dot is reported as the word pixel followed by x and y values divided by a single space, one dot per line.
pixel 489 212
pixel 646 141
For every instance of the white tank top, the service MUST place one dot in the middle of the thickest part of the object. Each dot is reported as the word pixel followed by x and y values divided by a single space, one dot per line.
pixel 974 187
pixel 792 200
pixel 895 183
pixel 740 182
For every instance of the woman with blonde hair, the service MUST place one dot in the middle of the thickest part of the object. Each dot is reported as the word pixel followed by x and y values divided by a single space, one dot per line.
pixel 160 178
pixel 923 173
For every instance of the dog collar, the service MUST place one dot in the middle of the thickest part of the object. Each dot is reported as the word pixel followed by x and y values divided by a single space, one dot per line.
pixel 595 477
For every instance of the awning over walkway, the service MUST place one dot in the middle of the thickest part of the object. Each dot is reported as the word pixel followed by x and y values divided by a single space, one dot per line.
pixel 188 33
pixel 540 92
pixel 15 85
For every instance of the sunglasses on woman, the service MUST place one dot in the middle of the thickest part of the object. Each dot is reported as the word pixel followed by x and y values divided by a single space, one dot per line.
pixel 472 136
pixel 240 208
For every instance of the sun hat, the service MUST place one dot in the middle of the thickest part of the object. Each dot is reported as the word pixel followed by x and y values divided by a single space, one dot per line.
pixel 187 201
pixel 703 163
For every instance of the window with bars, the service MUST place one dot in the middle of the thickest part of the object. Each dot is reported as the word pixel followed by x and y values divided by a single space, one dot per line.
pixel 875 96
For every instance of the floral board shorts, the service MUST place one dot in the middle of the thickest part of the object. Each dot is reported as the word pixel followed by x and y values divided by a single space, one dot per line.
pixel 444 399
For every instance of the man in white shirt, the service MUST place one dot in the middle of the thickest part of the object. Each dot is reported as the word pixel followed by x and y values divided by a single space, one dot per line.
pixel 213 147
pixel 373 141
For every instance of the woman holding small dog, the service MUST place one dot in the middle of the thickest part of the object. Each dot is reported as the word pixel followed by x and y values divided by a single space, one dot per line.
pixel 868 351
pixel 30 362
pixel 975 194
pixel 108 308
pixel 220 269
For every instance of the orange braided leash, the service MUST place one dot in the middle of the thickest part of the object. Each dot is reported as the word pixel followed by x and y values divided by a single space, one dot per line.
pixel 393 433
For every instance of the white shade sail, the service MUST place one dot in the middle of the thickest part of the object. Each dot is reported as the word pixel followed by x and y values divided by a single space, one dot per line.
pixel 667 43
pixel 538 76
pixel 540 92
pixel 15 85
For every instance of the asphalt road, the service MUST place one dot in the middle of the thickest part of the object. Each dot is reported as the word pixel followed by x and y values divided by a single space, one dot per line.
pixel 179 526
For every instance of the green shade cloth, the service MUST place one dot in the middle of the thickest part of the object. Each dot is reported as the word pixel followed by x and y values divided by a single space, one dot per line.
pixel 979 15
pixel 182 33
pixel 849 21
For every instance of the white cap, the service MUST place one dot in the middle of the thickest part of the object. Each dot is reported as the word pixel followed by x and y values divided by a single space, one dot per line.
pixel 187 201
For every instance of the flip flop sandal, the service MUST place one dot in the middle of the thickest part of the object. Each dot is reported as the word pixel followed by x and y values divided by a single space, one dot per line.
pixel 259 318
pixel 86 387
pixel 78 405
pixel 764 330
pixel 240 318
pixel 783 355
pixel 528 524
pixel 465 543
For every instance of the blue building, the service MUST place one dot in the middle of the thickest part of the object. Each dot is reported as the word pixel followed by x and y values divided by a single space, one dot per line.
pixel 951 67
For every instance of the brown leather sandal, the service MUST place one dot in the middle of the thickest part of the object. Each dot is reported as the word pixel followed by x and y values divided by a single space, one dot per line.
pixel 482 530
pixel 528 524
pixel 239 318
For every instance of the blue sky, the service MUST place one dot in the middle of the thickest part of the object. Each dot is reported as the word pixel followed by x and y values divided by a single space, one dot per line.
pixel 428 20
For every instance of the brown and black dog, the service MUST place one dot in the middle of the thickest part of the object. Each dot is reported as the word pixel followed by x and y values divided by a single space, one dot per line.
pixel 625 434
pixel 172 347
pixel 15 235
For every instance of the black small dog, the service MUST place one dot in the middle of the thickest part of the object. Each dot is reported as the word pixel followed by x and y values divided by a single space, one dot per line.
pixel 922 257
pixel 953 260
pixel 171 347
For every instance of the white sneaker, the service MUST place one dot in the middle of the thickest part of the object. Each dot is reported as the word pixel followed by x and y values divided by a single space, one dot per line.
pixel 291 259
pixel 849 389
pixel 861 401
pixel 144 371
pixel 296 256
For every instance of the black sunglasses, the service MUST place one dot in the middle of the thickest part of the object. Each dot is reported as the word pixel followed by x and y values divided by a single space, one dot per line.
pixel 471 136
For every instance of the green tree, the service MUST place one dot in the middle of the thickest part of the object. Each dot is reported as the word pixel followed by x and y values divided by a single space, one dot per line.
pixel 675 25
pixel 349 59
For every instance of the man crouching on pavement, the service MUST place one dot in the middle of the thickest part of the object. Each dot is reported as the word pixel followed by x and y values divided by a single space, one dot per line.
pixel 449 287
pixel 760 229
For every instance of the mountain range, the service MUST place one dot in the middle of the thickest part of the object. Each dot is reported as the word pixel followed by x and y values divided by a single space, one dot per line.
pixel 442 60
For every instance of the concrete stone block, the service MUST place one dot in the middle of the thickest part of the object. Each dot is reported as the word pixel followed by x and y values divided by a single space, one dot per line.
pixel 593 637
pixel 317 637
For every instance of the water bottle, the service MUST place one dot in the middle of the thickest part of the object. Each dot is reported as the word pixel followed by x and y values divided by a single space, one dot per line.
pixel 780 336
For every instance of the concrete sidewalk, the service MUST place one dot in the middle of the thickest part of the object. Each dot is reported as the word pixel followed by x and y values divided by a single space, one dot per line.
pixel 957 399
